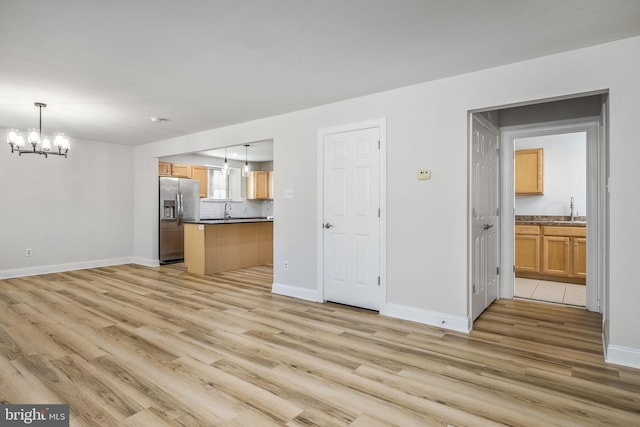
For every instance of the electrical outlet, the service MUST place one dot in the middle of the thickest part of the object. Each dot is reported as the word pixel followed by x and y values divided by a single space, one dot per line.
pixel 424 174
pixel 286 265
pixel 28 252
pixel 288 193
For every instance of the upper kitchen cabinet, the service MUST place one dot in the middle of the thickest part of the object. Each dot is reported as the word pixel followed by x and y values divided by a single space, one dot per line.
pixel 260 185
pixel 164 169
pixel 201 173
pixel 529 171
pixel 174 169
pixel 180 171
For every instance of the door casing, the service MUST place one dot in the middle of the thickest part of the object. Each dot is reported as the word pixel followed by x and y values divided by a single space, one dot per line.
pixel 596 192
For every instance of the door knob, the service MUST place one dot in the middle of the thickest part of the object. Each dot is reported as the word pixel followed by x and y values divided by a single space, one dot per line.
pixel 327 225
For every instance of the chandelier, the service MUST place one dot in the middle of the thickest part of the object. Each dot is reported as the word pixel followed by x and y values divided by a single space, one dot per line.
pixel 39 144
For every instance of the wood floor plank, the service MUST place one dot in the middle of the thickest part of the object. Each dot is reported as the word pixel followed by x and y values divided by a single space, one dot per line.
pixel 137 346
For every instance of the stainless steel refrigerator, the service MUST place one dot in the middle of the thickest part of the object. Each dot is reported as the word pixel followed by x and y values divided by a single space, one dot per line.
pixel 179 202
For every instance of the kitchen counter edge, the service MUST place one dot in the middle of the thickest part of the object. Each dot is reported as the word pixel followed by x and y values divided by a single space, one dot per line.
pixel 229 221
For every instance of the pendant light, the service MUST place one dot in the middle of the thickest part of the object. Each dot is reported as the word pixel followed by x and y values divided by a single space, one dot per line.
pixel 246 162
pixel 226 163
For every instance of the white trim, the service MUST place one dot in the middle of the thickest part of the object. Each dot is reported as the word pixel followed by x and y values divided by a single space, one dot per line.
pixel 296 292
pixel 431 318
pixel 381 124
pixel 625 356
pixel 147 262
pixel 58 268
pixel 596 196
pixel 551 128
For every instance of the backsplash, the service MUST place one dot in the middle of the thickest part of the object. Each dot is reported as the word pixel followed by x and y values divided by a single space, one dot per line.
pixel 246 209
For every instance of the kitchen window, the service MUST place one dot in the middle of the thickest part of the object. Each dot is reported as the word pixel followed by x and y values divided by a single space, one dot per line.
pixel 218 184
pixel 224 184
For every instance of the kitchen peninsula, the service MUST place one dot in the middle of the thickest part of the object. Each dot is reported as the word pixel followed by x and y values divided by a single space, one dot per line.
pixel 214 246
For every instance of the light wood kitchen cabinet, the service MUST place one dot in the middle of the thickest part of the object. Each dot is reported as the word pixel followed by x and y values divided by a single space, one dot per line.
pixel 164 169
pixel 174 169
pixel 551 252
pixel 180 171
pixel 529 171
pixel 527 248
pixel 260 185
pixel 555 256
pixel 580 257
pixel 201 173
pixel 564 251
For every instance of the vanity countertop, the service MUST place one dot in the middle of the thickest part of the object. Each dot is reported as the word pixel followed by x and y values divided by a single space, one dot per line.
pixel 558 220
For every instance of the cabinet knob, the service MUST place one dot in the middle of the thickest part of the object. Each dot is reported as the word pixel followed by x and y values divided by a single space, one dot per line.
pixel 327 225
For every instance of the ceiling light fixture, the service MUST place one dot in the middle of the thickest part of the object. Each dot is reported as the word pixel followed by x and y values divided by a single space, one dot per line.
pixel 39 144
pixel 246 162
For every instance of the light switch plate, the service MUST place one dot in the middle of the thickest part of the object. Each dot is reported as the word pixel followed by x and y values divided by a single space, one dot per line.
pixel 424 174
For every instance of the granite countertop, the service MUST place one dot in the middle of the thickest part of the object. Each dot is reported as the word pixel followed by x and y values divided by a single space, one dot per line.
pixel 579 221
pixel 230 220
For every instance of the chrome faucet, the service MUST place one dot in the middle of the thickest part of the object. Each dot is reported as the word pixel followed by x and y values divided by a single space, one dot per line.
pixel 227 211
pixel 573 218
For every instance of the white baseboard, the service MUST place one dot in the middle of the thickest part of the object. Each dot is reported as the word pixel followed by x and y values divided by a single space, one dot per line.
pixel 58 268
pixel 625 356
pixel 147 262
pixel 432 318
pixel 296 292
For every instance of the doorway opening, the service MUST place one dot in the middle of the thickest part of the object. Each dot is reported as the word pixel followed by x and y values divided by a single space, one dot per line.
pixel 550 217
pixel 582 116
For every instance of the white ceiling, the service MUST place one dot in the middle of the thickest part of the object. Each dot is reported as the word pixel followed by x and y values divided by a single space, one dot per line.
pixel 106 67
pixel 259 151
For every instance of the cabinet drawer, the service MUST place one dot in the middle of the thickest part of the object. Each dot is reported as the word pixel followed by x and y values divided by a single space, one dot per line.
pixel 565 231
pixel 528 229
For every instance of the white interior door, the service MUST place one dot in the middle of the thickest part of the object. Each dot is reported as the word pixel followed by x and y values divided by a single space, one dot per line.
pixel 484 232
pixel 351 218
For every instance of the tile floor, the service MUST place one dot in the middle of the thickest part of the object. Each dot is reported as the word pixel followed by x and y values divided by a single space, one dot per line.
pixel 542 290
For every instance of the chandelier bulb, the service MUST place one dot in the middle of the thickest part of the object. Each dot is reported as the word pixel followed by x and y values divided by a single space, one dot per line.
pixel 12 136
pixel 33 137
pixel 19 141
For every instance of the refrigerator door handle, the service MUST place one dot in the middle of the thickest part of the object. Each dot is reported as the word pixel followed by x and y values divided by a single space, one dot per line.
pixel 177 217
pixel 181 208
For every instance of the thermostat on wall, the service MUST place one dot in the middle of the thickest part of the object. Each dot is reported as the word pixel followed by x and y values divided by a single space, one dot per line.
pixel 424 174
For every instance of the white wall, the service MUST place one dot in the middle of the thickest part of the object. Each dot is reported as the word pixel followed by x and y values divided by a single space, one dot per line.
pixel 427 221
pixel 565 175
pixel 74 212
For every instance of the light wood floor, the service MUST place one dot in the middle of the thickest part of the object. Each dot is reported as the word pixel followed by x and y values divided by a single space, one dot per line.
pixel 136 346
